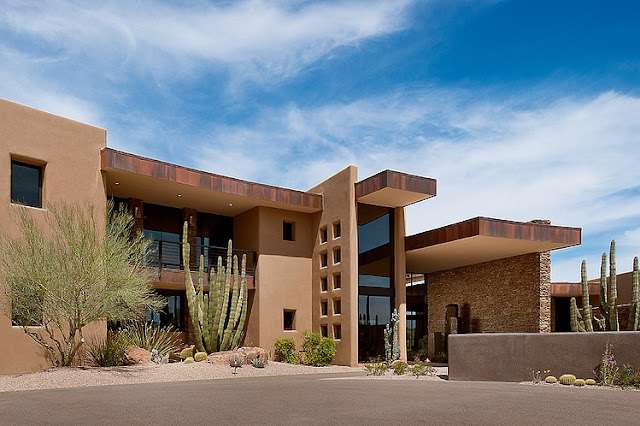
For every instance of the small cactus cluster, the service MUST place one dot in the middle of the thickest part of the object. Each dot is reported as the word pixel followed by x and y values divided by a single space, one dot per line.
pixel 189 355
pixel 608 298
pixel 567 379
pixel 218 323
pixel 391 342
pixel 570 379
pixel 551 379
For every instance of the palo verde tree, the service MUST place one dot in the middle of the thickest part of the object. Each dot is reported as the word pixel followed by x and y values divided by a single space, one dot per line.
pixel 67 270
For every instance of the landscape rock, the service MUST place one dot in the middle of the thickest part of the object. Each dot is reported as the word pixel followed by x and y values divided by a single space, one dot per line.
pixel 136 355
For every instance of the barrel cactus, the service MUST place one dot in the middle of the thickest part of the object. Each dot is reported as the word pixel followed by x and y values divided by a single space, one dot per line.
pixel 189 360
pixel 551 379
pixel 186 353
pixel 218 323
pixel 579 382
pixel 200 356
pixel 590 382
pixel 567 379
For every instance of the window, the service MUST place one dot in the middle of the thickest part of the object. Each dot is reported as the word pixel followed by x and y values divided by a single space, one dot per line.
pixel 336 230
pixel 289 317
pixel 337 307
pixel 337 331
pixel 287 231
pixel 336 256
pixel 26 184
pixel 323 284
pixel 324 307
pixel 172 314
pixel 323 235
pixel 324 331
pixel 323 260
pixel 337 281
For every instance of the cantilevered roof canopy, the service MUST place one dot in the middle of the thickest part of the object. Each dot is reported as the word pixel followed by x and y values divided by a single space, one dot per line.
pixel 394 189
pixel 128 175
pixel 480 240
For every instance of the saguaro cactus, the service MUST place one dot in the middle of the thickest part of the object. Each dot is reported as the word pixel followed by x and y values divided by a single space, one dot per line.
pixel 575 318
pixel 634 310
pixel 391 342
pixel 586 306
pixel 217 324
pixel 613 289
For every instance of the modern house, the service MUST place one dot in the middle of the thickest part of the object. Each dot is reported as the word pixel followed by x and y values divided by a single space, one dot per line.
pixel 333 259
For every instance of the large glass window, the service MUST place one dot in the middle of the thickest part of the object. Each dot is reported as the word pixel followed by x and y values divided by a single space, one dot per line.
pixel 26 184
pixel 375 278
pixel 173 313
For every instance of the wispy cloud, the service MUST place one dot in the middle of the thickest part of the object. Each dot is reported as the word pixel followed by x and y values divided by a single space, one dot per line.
pixel 573 161
pixel 258 39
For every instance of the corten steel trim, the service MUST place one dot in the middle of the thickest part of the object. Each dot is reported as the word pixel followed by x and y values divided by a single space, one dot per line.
pixel 123 161
pixel 500 228
pixel 396 180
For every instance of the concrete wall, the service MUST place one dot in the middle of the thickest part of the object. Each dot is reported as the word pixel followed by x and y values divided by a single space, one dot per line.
pixel 70 154
pixel 506 295
pixel 511 357
pixel 339 206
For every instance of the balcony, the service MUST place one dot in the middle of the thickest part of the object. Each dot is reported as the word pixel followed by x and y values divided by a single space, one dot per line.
pixel 167 271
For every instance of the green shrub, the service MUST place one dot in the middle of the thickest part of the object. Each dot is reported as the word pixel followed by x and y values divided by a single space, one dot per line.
pixel 108 352
pixel 421 368
pixel 285 350
pixel 399 367
pixel 149 337
pixel 376 367
pixel 318 351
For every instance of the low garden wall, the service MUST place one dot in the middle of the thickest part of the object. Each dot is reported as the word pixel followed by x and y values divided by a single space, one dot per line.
pixel 511 357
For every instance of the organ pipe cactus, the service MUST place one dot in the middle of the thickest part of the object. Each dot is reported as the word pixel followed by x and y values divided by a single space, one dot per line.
pixel 634 309
pixel 586 307
pixel 604 295
pixel 217 323
pixel 613 289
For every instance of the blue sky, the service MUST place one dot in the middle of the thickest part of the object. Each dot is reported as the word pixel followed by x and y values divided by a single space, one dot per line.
pixel 519 109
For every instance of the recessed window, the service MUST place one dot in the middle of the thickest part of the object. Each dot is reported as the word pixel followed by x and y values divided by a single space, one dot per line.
pixel 337 331
pixel 323 260
pixel 337 307
pixel 26 184
pixel 337 254
pixel 324 331
pixel 289 319
pixel 287 231
pixel 323 284
pixel 323 235
pixel 324 306
pixel 337 281
pixel 336 230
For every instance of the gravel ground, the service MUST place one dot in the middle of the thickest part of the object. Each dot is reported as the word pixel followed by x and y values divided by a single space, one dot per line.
pixel 71 377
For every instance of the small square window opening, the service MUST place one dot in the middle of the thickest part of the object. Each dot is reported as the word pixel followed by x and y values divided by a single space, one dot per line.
pixel 337 332
pixel 323 260
pixel 324 306
pixel 289 318
pixel 287 231
pixel 337 281
pixel 336 230
pixel 337 307
pixel 337 254
pixel 324 331
pixel 26 184
pixel 323 284
pixel 323 235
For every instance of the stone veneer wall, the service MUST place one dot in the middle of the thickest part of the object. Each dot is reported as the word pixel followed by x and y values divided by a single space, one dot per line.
pixel 506 295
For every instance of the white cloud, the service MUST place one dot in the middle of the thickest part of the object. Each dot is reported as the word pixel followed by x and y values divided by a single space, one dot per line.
pixel 574 161
pixel 258 39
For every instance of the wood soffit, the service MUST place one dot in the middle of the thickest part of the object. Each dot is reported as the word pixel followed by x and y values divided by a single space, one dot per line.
pixel 395 189
pixel 489 227
pixel 121 161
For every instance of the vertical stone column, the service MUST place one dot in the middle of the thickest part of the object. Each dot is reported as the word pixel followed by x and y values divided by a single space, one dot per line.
pixel 400 267
pixel 136 209
pixel 191 217
pixel 544 289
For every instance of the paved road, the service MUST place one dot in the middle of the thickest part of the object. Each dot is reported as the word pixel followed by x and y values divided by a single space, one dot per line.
pixel 321 399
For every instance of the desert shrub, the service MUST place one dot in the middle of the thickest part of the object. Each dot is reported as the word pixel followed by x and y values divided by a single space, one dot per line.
pixel 376 367
pixel 108 352
pixel 422 368
pixel 628 376
pixel 285 350
pixel 149 337
pixel 317 350
pixel 399 367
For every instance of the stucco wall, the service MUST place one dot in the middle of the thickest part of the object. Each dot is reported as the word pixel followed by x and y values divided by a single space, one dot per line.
pixel 70 153
pixel 511 357
pixel 338 206
pixel 506 295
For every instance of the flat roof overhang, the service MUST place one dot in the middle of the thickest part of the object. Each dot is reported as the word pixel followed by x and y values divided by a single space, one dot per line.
pixel 158 182
pixel 394 189
pixel 483 239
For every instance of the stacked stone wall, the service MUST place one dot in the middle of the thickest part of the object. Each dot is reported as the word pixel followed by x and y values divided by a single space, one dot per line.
pixel 506 295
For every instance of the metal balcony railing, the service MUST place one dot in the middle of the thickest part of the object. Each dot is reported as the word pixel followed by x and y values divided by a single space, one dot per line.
pixel 168 255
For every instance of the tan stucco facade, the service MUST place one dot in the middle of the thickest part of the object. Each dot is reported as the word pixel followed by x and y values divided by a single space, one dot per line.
pixel 69 154
pixel 308 272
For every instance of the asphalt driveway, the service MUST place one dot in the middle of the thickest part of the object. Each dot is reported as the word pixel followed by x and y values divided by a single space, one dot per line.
pixel 321 399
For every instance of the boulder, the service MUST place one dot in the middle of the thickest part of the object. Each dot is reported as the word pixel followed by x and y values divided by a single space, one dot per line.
pixel 136 355
pixel 246 353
